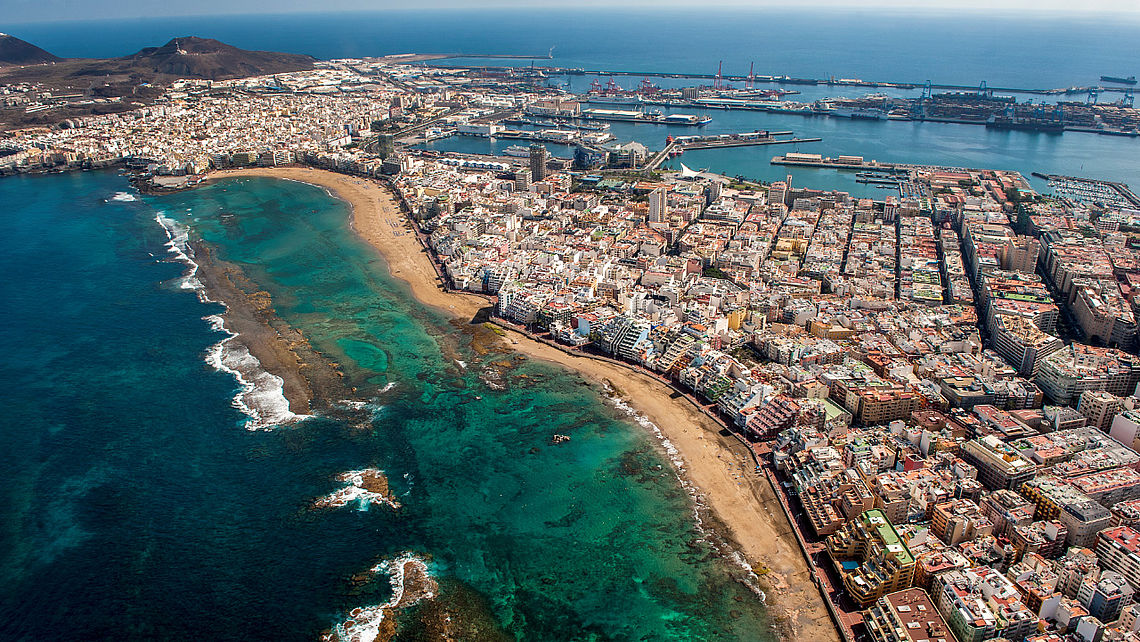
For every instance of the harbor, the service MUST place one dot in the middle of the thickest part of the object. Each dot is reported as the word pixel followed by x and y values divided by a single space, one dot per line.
pixel 1089 190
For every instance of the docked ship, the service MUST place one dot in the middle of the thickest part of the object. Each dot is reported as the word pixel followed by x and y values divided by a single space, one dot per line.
pixel 1131 80
pixel 862 113
pixel 516 150
pixel 630 99
pixel 1025 124
pixel 686 119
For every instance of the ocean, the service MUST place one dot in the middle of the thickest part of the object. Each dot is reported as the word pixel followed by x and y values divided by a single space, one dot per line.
pixel 141 503
pixel 1004 49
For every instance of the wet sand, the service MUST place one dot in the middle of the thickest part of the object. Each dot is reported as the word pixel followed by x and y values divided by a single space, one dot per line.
pixel 742 503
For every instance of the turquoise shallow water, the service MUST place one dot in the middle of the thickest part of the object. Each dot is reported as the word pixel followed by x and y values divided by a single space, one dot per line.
pixel 144 509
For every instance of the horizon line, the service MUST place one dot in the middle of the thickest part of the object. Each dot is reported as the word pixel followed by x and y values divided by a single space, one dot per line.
pixel 830 6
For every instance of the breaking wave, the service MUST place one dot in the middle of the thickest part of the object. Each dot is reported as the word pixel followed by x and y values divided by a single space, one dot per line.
pixel 700 506
pixel 411 582
pixel 262 394
pixel 123 197
pixel 366 487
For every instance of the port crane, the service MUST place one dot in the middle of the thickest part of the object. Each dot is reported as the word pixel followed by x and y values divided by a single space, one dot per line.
pixel 647 88
pixel 717 80
pixel 919 109
pixel 751 76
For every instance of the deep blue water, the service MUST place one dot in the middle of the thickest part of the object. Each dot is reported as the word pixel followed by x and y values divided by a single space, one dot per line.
pixel 1013 50
pixel 137 505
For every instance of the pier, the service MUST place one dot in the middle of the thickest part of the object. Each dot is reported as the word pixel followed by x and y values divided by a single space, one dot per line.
pixel 827 82
pixel 850 163
pixel 714 144
pixel 679 144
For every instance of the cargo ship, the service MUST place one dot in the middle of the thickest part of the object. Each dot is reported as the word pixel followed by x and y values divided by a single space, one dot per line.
pixel 1131 80
pixel 1025 125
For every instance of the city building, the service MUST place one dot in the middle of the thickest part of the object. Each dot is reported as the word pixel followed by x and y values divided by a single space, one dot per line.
pixel 870 557
pixel 906 616
pixel 998 464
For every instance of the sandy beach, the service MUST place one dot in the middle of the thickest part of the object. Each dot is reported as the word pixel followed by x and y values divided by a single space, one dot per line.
pixel 741 502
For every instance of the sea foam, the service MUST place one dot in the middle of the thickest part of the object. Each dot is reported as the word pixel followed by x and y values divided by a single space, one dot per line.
pixel 363 623
pixel 123 197
pixel 700 506
pixel 357 489
pixel 262 394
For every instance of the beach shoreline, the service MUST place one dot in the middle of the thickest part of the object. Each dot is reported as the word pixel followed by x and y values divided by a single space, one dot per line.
pixel 721 470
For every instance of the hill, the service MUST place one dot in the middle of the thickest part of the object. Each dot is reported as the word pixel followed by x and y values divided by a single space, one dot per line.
pixel 14 51
pixel 193 57
pixel 136 79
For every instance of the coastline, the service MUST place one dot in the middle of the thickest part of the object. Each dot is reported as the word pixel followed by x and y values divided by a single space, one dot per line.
pixel 309 381
pixel 741 503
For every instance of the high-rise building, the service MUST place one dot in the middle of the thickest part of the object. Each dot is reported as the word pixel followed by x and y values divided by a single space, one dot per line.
pixel 959 519
pixel 1118 549
pixel 999 465
pixel 1106 597
pixel 1099 407
pixel 1125 428
pixel 538 162
pixel 777 192
pixel 1020 254
pixel 657 201
pixel 385 145
pixel 522 180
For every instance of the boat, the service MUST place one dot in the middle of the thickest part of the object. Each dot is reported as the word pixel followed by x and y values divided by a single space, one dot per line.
pixel 1118 132
pixel 1025 125
pixel 869 113
pixel 516 150
pixel 633 99
pixel 862 113
pixel 1131 80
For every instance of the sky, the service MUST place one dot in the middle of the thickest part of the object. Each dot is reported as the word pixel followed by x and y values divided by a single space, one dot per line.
pixel 23 11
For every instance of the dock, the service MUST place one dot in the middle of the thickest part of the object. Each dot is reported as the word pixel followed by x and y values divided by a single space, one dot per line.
pixel 681 143
pixel 714 144
pixel 850 163
pixel 826 82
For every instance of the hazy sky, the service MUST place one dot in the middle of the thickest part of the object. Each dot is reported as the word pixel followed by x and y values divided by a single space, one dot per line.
pixel 17 11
